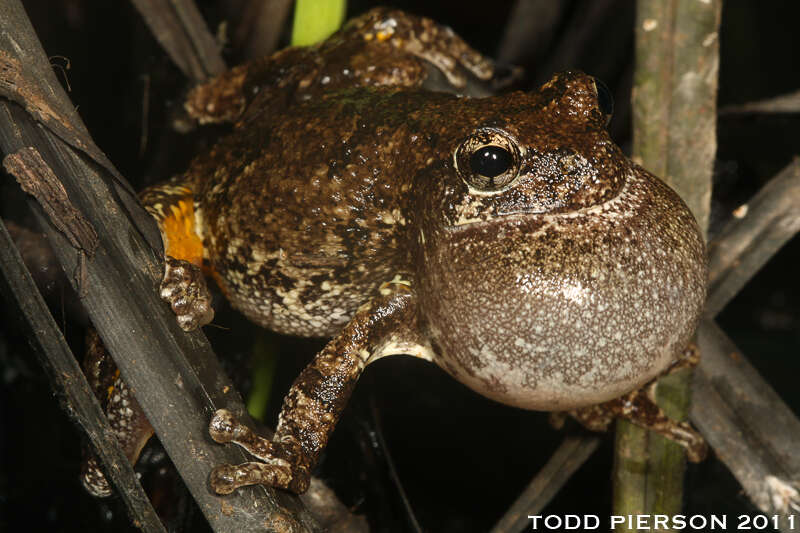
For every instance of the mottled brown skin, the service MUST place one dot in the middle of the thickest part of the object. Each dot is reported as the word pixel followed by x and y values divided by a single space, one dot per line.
pixel 125 416
pixel 345 203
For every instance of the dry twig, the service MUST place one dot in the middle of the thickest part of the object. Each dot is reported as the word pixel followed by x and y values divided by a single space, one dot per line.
pixel 565 461
pixel 68 380
pixel 179 28
pixel 174 375
pixel 750 428
pixel 755 233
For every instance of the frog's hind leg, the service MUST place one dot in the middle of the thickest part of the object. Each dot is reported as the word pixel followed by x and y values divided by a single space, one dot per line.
pixel 639 407
pixel 316 400
pixel 172 205
pixel 126 418
pixel 392 48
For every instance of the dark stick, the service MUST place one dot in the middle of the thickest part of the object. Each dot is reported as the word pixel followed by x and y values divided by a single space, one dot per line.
pixel 67 378
pixel 750 428
pixel 529 30
pixel 257 25
pixel 567 459
pixel 772 217
pixel 174 375
pixel 27 78
pixel 179 28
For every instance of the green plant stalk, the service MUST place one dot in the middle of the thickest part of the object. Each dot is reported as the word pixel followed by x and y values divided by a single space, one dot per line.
pixel 316 20
pixel 674 123
pixel 264 359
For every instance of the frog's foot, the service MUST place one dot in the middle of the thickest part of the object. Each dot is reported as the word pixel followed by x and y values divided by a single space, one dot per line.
pixel 689 358
pixel 639 408
pixel 220 99
pixel 284 464
pixel 185 289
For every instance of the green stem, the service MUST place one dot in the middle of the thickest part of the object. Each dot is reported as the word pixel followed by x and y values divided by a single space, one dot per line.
pixel 264 360
pixel 316 20
pixel 674 108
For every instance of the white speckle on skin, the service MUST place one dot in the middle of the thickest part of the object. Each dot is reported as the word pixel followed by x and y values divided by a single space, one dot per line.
pixel 575 292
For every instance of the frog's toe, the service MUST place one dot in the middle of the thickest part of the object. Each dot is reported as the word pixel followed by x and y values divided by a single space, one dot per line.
pixel 184 287
pixel 225 479
pixel 694 443
pixel 224 427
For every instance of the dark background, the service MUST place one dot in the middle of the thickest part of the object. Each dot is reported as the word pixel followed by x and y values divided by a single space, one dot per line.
pixel 461 459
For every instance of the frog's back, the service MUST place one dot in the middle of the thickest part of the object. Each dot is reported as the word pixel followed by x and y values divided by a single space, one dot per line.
pixel 302 215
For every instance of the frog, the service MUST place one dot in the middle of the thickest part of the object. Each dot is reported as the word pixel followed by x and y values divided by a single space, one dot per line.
pixel 506 238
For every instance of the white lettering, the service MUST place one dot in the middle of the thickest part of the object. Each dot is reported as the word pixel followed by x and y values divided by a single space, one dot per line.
pixel 661 521
pixel 641 522
pixel 700 519
pixel 720 522
pixel 555 523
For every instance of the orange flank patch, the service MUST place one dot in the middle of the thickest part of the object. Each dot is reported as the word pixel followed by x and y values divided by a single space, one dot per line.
pixel 177 230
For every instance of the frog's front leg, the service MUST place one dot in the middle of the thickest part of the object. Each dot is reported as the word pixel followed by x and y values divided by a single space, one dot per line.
pixel 172 205
pixel 639 407
pixel 316 400
pixel 183 286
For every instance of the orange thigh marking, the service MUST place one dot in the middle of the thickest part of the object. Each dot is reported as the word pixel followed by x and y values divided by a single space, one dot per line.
pixel 177 230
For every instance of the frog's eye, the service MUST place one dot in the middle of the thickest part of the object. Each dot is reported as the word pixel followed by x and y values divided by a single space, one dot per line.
pixel 488 160
pixel 605 102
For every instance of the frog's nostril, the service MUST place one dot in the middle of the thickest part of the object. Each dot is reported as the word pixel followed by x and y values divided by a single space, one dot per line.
pixel 491 161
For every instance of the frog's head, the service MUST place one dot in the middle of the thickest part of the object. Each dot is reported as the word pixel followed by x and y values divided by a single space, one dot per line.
pixel 553 273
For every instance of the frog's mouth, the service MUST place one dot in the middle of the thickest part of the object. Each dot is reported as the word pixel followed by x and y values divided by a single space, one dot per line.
pixel 463 223
pixel 532 217
pixel 627 201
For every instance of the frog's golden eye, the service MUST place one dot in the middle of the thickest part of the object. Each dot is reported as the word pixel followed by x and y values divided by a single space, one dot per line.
pixel 488 160
pixel 605 102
